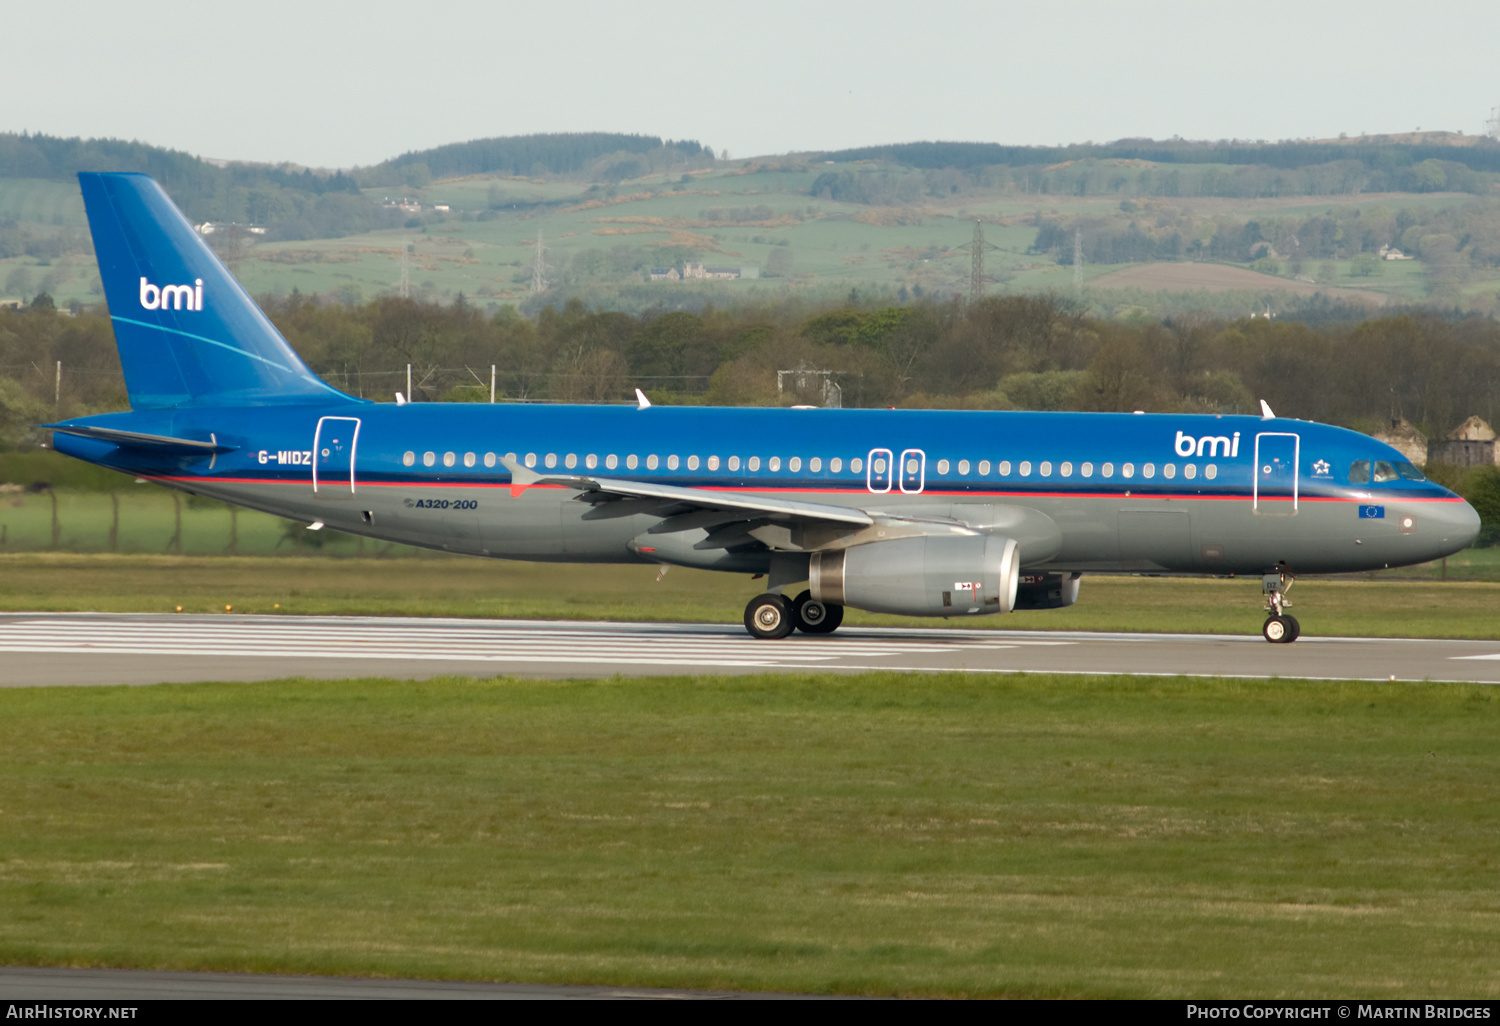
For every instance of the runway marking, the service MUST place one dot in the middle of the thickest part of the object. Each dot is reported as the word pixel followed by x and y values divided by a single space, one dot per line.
pixel 459 641
pixel 1490 655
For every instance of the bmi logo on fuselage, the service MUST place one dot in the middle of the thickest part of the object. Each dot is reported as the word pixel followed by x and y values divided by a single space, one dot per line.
pixel 172 297
pixel 1208 445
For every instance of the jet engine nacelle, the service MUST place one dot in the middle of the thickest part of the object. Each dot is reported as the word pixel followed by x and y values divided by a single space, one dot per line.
pixel 1047 591
pixel 921 576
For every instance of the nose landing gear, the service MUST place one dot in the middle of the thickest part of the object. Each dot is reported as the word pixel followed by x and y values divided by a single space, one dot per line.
pixel 1279 628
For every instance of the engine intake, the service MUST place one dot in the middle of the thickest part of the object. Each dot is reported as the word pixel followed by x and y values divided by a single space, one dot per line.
pixel 921 576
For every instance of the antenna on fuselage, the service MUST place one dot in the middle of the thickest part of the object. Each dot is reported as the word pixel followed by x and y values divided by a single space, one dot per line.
pixel 641 402
pixel 1265 411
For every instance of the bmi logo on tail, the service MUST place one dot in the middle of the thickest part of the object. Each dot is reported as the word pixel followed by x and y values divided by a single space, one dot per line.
pixel 174 297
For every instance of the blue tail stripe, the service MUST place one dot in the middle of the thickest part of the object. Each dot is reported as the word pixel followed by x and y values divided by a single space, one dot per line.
pixel 200 338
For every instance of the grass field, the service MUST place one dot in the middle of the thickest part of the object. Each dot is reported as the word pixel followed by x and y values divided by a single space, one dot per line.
pixel 447 586
pixel 882 834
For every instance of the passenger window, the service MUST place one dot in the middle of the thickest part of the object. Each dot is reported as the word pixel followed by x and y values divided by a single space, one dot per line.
pixel 1004 468
pixel 734 463
pixel 1211 471
pixel 429 458
pixel 963 466
pixel 692 463
pixel 856 465
pixel 652 462
pixel 1148 470
pixel 451 458
pixel 1169 471
pixel 591 461
pixel 794 464
pixel 774 463
pixel 571 461
pixel 1127 470
pixel 984 468
pixel 1189 471
pixel 879 466
pixel 468 459
pixel 1066 470
pixel 1087 470
pixel 531 459
pixel 1384 472
pixel 489 459
pixel 632 461
pixel 942 466
pixel 1025 467
pixel 1046 468
pixel 551 460
pixel 672 462
pixel 1359 472
pixel 754 463
pixel 1108 470
pixel 835 465
pixel 409 459
pixel 815 464
pixel 1410 472
pixel 611 461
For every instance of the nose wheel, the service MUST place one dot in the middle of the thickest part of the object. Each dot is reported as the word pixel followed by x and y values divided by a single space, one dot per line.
pixel 1280 627
pixel 1281 630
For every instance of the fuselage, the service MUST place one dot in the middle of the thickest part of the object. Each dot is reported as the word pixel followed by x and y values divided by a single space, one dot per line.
pixel 1080 492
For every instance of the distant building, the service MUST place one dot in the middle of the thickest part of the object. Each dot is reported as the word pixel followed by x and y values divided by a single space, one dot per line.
pixel 1471 444
pixel 1404 437
pixel 1390 253
pixel 697 271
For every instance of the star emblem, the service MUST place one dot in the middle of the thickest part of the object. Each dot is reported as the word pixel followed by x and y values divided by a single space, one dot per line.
pixel 1320 468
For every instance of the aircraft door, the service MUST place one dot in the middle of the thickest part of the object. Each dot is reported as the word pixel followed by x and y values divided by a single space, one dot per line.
pixel 913 471
pixel 334 444
pixel 880 470
pixel 1276 457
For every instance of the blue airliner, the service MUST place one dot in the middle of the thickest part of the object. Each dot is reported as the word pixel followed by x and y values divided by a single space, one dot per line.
pixel 912 512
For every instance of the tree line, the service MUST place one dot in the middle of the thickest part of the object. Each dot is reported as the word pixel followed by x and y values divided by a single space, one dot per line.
pixel 1009 352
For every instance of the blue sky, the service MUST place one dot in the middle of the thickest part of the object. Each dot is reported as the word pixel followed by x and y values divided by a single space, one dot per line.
pixel 338 84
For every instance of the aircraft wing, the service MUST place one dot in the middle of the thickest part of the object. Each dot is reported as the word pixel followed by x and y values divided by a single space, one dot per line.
pixel 704 506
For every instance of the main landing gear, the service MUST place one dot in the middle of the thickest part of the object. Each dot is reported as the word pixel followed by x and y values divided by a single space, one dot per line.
pixel 1280 628
pixel 776 616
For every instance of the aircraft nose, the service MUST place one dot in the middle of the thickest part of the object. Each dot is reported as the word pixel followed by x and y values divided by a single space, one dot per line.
pixel 1459 525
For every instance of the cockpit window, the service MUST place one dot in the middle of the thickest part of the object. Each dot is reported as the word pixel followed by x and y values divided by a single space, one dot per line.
pixel 1359 472
pixel 1385 472
pixel 1410 473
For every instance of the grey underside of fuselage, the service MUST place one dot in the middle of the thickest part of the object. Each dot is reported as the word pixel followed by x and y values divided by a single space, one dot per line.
pixel 1097 535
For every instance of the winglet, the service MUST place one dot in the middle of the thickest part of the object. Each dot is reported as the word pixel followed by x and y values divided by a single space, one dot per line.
pixel 641 402
pixel 1265 411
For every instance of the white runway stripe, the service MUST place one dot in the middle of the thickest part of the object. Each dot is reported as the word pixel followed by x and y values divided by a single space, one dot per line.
pixel 464 641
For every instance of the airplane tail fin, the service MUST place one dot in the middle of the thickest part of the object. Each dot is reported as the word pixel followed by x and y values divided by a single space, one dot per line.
pixel 188 334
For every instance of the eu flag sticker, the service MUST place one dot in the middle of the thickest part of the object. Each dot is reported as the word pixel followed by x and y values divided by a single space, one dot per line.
pixel 1372 512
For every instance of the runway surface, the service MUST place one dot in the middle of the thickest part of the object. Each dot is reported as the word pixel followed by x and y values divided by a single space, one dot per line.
pixel 126 985
pixel 58 649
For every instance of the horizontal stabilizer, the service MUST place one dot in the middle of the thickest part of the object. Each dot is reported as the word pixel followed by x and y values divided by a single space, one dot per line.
pixel 138 440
